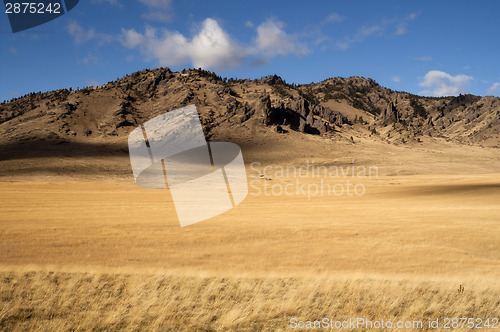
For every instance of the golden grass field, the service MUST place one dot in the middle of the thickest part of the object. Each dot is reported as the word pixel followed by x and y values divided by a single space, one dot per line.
pixel 109 255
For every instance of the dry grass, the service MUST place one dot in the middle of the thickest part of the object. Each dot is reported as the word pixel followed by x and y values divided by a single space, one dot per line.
pixel 100 301
pixel 414 224
pixel 89 255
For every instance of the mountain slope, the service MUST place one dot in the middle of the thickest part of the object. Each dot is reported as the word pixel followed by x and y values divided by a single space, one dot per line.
pixel 337 107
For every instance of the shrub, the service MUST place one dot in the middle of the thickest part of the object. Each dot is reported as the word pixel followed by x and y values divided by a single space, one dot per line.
pixel 418 107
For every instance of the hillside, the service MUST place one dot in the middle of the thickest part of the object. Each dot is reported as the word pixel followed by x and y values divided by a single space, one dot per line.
pixel 334 108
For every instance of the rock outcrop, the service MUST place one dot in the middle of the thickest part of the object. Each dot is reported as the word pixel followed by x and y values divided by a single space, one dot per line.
pixel 389 115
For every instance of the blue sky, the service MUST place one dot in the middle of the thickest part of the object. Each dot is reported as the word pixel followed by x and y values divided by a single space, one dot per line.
pixel 423 47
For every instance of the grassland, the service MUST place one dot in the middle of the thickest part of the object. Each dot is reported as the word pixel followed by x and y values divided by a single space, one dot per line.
pixel 107 255
pixel 99 300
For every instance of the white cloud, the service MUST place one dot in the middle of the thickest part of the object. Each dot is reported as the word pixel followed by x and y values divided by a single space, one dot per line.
pixel 80 35
pixel 333 18
pixel 396 79
pixel 494 88
pixel 362 34
pixel 272 40
pixel 438 83
pixel 399 24
pixel 158 10
pixel 211 47
pixel 12 49
pixel 249 24
pixel 366 31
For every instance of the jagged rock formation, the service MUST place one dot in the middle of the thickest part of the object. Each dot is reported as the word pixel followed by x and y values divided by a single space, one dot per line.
pixel 299 115
pixel 389 115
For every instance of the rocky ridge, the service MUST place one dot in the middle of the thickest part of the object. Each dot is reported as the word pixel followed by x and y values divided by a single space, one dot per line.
pixel 335 107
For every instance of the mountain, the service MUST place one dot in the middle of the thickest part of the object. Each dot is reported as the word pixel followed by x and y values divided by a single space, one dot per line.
pixel 336 108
